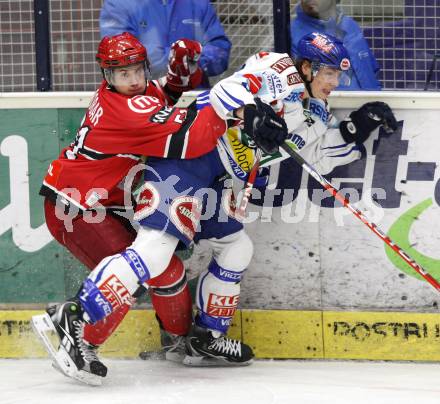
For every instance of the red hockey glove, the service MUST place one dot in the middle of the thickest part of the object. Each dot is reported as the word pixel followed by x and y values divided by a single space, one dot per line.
pixel 184 73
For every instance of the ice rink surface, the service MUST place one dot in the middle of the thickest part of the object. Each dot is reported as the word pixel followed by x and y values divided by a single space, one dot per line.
pixel 268 382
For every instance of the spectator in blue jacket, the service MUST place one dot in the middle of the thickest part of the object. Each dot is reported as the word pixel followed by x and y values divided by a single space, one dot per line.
pixel 159 23
pixel 326 17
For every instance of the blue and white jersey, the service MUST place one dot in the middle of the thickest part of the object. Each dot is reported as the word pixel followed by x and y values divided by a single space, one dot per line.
pixel 274 79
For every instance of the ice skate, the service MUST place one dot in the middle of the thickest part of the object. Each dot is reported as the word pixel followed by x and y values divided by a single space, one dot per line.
pixel 173 348
pixel 74 357
pixel 205 348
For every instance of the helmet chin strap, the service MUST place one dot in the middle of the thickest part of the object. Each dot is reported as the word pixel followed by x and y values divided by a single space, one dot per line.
pixel 307 82
pixel 306 101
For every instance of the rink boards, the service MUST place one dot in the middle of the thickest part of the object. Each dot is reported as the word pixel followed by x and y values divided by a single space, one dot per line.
pixel 275 334
pixel 321 285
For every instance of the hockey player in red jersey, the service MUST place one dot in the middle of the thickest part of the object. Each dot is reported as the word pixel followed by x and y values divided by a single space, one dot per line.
pixel 129 116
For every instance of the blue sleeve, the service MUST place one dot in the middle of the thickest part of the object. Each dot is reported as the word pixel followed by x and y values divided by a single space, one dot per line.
pixel 364 63
pixel 116 17
pixel 216 45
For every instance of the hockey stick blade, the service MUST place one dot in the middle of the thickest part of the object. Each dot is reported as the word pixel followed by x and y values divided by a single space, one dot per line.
pixel 43 327
pixel 372 226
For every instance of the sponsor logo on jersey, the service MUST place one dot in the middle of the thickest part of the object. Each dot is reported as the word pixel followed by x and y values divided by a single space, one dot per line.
pixel 143 104
pixel 147 201
pixel 274 84
pixel 282 64
pixel 298 141
pixel 162 115
pixel 294 78
pixel 222 306
pixel 243 155
pixel 294 96
pixel 185 214
pixel 319 111
pixel 115 292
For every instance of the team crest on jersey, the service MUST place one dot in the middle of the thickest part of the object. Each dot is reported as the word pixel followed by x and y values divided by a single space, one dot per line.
pixel 143 104
pixel 147 201
pixel 185 214
pixel 282 64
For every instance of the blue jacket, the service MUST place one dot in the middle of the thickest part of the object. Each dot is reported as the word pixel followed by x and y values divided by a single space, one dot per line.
pixel 364 64
pixel 159 23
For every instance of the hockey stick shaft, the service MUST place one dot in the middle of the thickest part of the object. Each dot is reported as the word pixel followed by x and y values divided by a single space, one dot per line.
pixel 372 226
pixel 247 190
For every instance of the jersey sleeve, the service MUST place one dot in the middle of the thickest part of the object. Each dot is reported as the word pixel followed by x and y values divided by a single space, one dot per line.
pixel 322 147
pixel 267 75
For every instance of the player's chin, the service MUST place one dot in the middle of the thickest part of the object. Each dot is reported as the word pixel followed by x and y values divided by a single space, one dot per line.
pixel 326 92
pixel 138 91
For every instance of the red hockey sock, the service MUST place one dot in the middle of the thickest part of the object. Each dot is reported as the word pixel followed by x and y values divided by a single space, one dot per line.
pixel 98 333
pixel 171 298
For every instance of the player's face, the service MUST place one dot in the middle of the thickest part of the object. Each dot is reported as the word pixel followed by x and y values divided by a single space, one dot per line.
pixel 318 8
pixel 325 81
pixel 129 80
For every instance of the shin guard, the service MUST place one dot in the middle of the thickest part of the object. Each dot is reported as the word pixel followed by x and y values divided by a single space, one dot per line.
pixel 98 333
pixel 171 298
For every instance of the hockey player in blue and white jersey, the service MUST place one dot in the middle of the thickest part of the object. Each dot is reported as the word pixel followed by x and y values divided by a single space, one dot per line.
pixel 313 131
pixel 173 203
pixel 298 91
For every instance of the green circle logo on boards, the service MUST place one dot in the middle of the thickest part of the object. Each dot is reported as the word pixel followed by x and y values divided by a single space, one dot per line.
pixel 399 233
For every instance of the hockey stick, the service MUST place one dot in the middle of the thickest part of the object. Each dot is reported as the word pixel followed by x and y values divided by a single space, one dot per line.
pixel 247 190
pixel 372 226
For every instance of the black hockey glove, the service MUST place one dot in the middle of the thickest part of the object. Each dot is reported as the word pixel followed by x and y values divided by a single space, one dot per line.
pixel 363 121
pixel 264 126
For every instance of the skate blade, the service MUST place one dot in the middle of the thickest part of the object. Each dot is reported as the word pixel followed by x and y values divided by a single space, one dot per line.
pixel 152 355
pixel 207 361
pixel 45 329
pixel 161 355
pixel 176 357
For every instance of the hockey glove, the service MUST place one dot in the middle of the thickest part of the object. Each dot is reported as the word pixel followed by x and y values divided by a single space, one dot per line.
pixel 184 73
pixel 362 122
pixel 264 126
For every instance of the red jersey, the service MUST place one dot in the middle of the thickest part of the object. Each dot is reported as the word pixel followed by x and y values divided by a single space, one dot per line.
pixel 116 131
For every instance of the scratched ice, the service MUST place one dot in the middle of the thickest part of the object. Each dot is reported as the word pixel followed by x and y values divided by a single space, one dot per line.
pixel 265 382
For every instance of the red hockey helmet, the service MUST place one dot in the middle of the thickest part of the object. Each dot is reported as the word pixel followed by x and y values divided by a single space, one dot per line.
pixel 120 50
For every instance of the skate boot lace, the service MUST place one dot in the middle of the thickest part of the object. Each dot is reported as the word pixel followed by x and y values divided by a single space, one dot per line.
pixel 88 352
pixel 226 346
pixel 177 343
